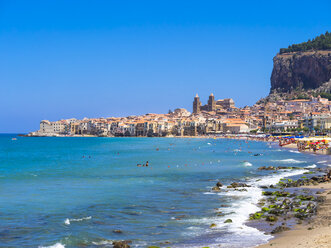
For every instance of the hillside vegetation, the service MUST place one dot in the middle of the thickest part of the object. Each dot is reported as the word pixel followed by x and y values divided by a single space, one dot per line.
pixel 322 42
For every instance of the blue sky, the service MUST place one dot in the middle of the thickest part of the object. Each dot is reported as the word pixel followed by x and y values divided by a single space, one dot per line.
pixel 62 59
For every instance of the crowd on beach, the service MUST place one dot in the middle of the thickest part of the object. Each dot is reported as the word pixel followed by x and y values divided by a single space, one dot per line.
pixel 312 144
pixel 303 144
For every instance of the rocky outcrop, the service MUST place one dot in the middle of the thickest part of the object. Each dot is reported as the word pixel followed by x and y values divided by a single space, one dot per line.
pixel 300 70
pixel 122 244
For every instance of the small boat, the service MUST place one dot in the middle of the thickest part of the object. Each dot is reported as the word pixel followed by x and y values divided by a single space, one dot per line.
pixel 13 139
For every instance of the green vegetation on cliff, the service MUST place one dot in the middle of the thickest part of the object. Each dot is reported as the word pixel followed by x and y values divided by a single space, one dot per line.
pixel 326 95
pixel 322 42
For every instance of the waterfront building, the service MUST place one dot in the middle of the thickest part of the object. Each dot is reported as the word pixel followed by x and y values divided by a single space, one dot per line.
pixel 317 121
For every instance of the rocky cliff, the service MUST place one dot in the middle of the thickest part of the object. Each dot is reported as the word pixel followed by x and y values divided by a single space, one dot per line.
pixel 300 71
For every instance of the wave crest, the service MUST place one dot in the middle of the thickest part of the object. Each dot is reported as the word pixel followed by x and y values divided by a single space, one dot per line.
pixel 68 221
pixel 57 245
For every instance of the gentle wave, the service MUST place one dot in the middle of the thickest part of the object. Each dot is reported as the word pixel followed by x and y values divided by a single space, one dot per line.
pixel 322 162
pixel 311 166
pixel 294 151
pixel 68 221
pixel 57 245
pixel 289 161
pixel 247 164
pixel 103 242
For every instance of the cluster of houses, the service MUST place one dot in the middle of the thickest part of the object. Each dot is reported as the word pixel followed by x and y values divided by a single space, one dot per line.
pixel 216 117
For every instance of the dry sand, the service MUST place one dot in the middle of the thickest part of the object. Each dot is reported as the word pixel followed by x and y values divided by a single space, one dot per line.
pixel 315 234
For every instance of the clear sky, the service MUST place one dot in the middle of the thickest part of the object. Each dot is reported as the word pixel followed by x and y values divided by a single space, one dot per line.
pixel 63 59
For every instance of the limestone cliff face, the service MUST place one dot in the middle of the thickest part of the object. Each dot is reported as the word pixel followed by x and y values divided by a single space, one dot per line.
pixel 300 70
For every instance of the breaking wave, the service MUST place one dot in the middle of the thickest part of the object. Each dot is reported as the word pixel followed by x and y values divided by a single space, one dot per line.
pixel 245 203
pixel 57 245
pixel 289 161
pixel 293 151
pixel 68 221
pixel 103 242
pixel 247 164
pixel 311 166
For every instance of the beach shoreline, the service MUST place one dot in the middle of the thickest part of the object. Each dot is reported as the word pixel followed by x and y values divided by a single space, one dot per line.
pixel 319 152
pixel 316 233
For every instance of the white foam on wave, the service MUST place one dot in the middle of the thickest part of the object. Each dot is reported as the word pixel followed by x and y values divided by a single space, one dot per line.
pixel 311 166
pixel 322 162
pixel 237 150
pixel 247 164
pixel 57 245
pixel 289 161
pixel 103 242
pixel 240 210
pixel 246 203
pixel 293 151
pixel 209 193
pixel 68 221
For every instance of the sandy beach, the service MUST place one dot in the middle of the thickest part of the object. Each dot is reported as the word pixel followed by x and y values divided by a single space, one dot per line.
pixel 315 234
pixel 322 152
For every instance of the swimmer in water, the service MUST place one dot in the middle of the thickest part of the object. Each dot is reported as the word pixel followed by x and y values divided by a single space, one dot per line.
pixel 146 163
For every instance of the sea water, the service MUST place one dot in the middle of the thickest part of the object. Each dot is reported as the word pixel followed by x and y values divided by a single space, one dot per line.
pixel 76 192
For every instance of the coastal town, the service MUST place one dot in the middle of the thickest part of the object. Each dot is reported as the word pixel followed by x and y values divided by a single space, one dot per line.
pixel 165 124
pixel 310 115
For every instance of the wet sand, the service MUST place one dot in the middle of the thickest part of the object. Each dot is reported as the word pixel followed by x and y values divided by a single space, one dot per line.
pixel 315 234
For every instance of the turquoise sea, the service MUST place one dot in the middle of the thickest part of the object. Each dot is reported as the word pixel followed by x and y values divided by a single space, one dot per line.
pixel 74 192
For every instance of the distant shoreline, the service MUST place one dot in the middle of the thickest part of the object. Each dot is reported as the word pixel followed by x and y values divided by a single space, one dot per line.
pixel 234 137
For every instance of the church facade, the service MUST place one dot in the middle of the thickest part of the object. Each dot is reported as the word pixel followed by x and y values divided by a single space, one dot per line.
pixel 212 105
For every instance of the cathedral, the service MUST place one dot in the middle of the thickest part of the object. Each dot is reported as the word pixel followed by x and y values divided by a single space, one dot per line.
pixel 212 105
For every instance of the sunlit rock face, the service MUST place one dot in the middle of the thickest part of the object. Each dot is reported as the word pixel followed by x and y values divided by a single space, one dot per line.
pixel 300 70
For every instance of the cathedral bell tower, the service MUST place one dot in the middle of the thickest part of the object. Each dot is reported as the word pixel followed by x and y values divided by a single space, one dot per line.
pixel 211 103
pixel 196 105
